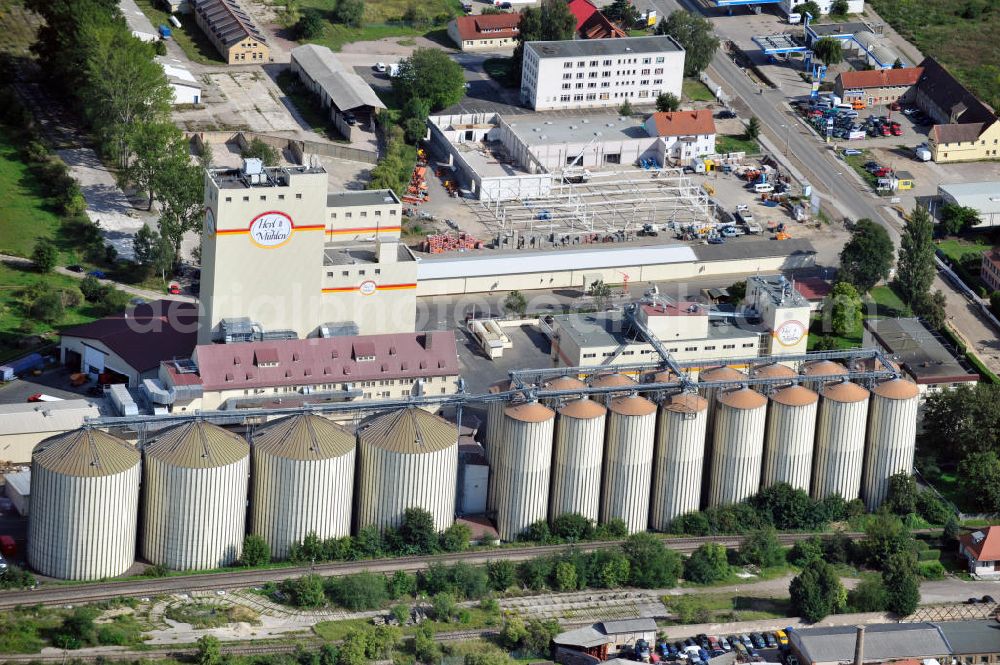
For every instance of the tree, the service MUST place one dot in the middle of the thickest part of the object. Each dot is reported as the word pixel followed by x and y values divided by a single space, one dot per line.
pixel 816 592
pixel 565 576
pixel 956 218
pixel 515 303
pixel 979 480
pixel 258 149
pixel 425 647
pixel 550 21
pixel 952 529
pixel 869 595
pixel 752 132
pixel 431 75
pixel 609 569
pixel 930 308
pixel 417 531
pixel 444 606
pixel 667 102
pixel 491 657
pixel 600 292
pixel 737 292
pixel 360 591
pixel 625 109
pixel 622 12
pixel 915 268
pixel 762 549
pixel 695 34
pixel 209 650
pixel 180 185
pixel 867 257
pixel 828 50
pixel 962 421
pixel 353 649
pixel 47 306
pixel 707 564
pixel 44 255
pixel 572 527
pixel 651 564
pixel 455 538
pixel 806 551
pixel 995 303
pixel 502 574
pixel 540 633
pixel 885 535
pixel 807 7
pixel 152 144
pixel 306 591
pixel 401 584
pixel 310 24
pixel 256 551
pixel 902 585
pixel 902 496
pixel 513 632
pixel 143 245
pixel 845 310
pixel 349 12
pixel 839 8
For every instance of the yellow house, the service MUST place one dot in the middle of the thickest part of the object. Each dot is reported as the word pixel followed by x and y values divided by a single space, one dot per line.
pixel 232 32
pixel 968 142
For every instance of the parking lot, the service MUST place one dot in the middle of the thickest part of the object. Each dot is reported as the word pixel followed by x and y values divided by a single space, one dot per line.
pixel 875 127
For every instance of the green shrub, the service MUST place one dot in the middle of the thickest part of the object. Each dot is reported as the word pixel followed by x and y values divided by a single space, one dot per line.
pixel 931 570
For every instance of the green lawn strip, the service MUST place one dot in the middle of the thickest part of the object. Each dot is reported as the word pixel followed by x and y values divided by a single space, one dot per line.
pixel 307 104
pixel 192 40
pixel 696 91
pixel 736 143
pixel 27 213
pixel 882 301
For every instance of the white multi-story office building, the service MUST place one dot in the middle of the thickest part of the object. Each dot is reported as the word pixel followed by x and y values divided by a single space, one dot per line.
pixel 589 73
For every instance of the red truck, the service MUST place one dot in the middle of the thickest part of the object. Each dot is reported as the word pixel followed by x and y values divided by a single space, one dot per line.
pixel 8 547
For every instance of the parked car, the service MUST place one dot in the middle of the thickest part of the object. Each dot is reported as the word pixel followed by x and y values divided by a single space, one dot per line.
pixel 174 289
pixel 747 642
pixel 350 119
pixel 851 151
pixel 642 650
pixel 782 637
pixel 74 268
pixel 724 643
pixel 98 274
pixel 771 640
pixel 380 67
pixel 726 114
pixel 758 640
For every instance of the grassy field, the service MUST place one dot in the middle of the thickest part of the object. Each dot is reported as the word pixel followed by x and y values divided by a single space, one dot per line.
pixel 883 302
pixel 189 36
pixel 966 257
pixel 26 214
pixel 733 143
pixel 961 35
pixel 17 27
pixel 206 615
pixel 386 18
pixel 857 162
pixel 478 619
pixel 307 104
pixel 501 71
pixel 696 91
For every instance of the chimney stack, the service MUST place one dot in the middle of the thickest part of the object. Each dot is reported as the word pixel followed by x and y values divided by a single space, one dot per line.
pixel 859 647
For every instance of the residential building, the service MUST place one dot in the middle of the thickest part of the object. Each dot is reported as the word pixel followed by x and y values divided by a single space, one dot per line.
pixel 128 347
pixel 232 31
pixel 853 6
pixel 343 94
pixel 591 23
pixel 483 32
pixel 981 550
pixel 24 426
pixel 685 134
pixel 983 197
pixel 326 266
pixel 183 84
pixel 877 86
pixel 600 72
pixel 920 352
pixel 989 272
pixel 965 142
pixel 602 641
pixel 290 372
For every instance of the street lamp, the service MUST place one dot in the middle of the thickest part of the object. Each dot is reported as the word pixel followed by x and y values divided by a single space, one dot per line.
pixel 787 129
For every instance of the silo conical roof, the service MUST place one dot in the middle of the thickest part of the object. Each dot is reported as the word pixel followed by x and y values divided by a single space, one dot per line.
pixel 632 405
pixel 304 437
pixel 897 389
pixel 687 403
pixel 582 409
pixel 774 371
pixel 845 391
pixel 794 396
pixel 564 383
pixel 742 398
pixel 409 431
pixel 85 452
pixel 721 374
pixel 198 445
pixel 823 368
pixel 612 381
pixel 529 412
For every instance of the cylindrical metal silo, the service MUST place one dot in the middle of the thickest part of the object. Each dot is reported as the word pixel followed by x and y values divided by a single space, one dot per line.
pixel 821 368
pixel 407 458
pixel 892 432
pixel 680 459
pixel 628 461
pixel 791 430
pixel 840 441
pixel 84 506
pixel 523 461
pixel 561 383
pixel 663 376
pixel 195 488
pixel 738 446
pixel 716 374
pixel 611 381
pixel 576 460
pixel 772 371
pixel 303 481
pixel 494 434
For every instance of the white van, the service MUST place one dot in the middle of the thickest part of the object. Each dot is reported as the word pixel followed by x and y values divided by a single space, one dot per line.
pixel 763 188
pixel 795 19
pixel 394 70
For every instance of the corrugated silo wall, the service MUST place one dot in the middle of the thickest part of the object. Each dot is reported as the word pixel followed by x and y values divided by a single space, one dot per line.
pixel 578 451
pixel 840 449
pixel 737 453
pixel 892 432
pixel 628 469
pixel 677 472
pixel 788 447
pixel 523 465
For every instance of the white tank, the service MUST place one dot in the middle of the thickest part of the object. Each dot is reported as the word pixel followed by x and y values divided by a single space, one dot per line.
pixel 772 371
pixel 628 462
pixel 303 481
pixel 577 455
pixel 407 458
pixel 523 461
pixel 494 433
pixel 716 374
pixel 788 444
pixel 892 432
pixel 680 459
pixel 840 441
pixel 821 368
pixel 195 485
pixel 84 506
pixel 738 446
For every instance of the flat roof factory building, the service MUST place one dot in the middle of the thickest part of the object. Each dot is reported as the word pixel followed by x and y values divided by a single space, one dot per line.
pixel 983 197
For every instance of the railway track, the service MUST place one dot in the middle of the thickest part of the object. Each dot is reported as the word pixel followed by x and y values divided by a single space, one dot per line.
pixel 61 594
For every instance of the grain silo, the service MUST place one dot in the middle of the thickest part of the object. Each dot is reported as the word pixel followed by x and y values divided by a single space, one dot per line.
pixel 709 393
pixel 839 450
pixel 523 462
pixel 407 458
pixel 577 454
pixel 84 506
pixel 821 368
pixel 611 381
pixel 195 489
pixel 679 460
pixel 303 481
pixel 892 432
pixel 628 461
pixel 788 444
pixel 494 433
pixel 738 446
pixel 663 376
pixel 561 383
pixel 772 371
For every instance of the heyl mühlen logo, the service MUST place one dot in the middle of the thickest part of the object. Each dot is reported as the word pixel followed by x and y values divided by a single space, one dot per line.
pixel 367 287
pixel 790 333
pixel 271 229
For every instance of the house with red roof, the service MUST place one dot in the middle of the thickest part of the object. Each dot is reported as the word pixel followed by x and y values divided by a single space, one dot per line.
pixel 485 31
pixel 877 86
pixel 686 134
pixel 591 23
pixel 982 551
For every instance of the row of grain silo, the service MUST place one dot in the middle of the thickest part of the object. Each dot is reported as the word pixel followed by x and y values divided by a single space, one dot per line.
pixel 190 495
pixel 646 457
